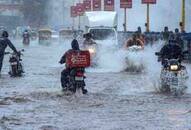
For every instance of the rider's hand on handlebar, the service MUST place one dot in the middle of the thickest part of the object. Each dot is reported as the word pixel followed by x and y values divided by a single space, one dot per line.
pixel 19 53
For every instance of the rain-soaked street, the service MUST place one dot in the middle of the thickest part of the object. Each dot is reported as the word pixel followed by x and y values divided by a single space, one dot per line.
pixel 116 100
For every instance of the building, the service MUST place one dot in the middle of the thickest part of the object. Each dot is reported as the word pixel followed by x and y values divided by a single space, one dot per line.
pixel 11 13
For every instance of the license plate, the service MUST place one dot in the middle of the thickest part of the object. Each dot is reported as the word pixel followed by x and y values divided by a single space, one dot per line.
pixel 14 63
pixel 79 78
pixel 175 81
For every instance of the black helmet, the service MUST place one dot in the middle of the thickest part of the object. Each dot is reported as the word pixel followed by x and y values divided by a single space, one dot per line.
pixel 75 45
pixel 176 30
pixel 88 35
pixel 165 28
pixel 5 34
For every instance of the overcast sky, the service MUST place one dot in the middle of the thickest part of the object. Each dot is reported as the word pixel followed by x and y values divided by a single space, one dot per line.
pixel 164 13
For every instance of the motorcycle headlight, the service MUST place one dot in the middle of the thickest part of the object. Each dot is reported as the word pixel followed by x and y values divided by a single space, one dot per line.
pixel 174 67
pixel 91 50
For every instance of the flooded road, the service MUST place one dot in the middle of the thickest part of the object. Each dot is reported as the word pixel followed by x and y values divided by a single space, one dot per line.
pixel 116 101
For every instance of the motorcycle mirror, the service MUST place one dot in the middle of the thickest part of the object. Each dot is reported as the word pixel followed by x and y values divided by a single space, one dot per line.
pixel 157 53
pixel 185 52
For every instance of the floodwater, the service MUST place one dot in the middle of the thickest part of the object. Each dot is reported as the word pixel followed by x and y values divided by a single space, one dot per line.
pixel 116 100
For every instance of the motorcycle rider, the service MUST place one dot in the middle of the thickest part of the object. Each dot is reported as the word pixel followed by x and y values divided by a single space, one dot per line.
pixel 66 71
pixel 171 51
pixel 165 34
pixel 4 42
pixel 179 40
pixel 26 37
pixel 88 40
pixel 140 35
pixel 134 41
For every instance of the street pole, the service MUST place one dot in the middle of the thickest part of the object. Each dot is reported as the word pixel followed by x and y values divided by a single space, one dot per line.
pixel 183 16
pixel 73 23
pixel 125 20
pixel 148 19
pixel 102 5
pixel 79 24
pixel 73 20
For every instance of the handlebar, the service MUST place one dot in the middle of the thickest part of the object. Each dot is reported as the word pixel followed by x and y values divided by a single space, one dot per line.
pixel 157 53
pixel 6 53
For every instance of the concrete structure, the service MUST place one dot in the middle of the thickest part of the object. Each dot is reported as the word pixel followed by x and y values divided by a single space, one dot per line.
pixel 10 13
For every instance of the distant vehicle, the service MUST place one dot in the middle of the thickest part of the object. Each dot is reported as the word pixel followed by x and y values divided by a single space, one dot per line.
pixel 102 25
pixel 55 35
pixel 26 38
pixel 20 30
pixel 66 34
pixel 33 35
pixel 45 36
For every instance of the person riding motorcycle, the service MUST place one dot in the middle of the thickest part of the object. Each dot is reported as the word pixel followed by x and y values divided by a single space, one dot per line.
pixel 171 51
pixel 66 71
pixel 165 34
pixel 179 40
pixel 134 41
pixel 4 42
pixel 88 40
pixel 26 37
pixel 140 35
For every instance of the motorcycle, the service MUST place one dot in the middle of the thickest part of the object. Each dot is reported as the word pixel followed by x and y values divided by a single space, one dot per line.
pixel 16 67
pixel 76 81
pixel 26 41
pixel 134 65
pixel 135 48
pixel 26 38
pixel 173 77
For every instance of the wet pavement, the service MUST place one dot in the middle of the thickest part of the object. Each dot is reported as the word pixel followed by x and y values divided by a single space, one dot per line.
pixel 116 101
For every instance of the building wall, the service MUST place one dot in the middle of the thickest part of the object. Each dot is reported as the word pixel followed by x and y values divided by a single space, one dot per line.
pixel 10 13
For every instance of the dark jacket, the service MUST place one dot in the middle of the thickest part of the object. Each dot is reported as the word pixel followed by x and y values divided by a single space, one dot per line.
pixel 171 51
pixel 165 35
pixel 4 42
